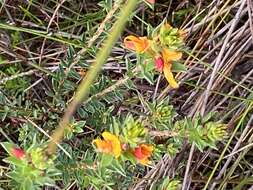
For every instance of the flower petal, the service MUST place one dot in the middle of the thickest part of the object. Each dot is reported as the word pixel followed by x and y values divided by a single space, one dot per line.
pixel 169 55
pixel 18 153
pixel 144 161
pixel 129 44
pixel 159 63
pixel 142 153
pixel 138 153
pixel 138 44
pixel 116 146
pixel 151 1
pixel 146 149
pixel 169 76
pixel 103 146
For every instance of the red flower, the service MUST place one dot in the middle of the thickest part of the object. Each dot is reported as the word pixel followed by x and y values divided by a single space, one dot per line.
pixel 159 63
pixel 18 153
pixel 151 1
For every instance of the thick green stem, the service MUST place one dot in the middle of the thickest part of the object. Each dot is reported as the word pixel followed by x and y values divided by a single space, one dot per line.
pixel 83 89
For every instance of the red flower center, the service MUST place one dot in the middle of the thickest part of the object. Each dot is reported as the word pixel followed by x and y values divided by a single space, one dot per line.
pixel 159 63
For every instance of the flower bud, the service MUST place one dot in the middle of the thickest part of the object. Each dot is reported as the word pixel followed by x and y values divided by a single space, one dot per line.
pixel 124 146
pixel 159 63
pixel 151 1
pixel 18 153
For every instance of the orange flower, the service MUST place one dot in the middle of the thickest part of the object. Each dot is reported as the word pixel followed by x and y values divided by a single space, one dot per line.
pixel 110 144
pixel 142 153
pixel 138 44
pixel 168 57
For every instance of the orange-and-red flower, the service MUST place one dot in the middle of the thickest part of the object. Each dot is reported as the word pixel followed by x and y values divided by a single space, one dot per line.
pixel 142 153
pixel 160 49
pixel 137 44
pixel 163 64
pixel 110 144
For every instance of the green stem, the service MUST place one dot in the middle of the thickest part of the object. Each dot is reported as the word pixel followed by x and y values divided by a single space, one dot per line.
pixel 83 89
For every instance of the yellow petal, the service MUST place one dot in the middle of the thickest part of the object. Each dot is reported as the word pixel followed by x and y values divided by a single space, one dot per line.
pixel 129 42
pixel 138 44
pixel 143 45
pixel 147 149
pixel 109 136
pixel 169 55
pixel 103 146
pixel 169 76
pixel 144 161
pixel 116 146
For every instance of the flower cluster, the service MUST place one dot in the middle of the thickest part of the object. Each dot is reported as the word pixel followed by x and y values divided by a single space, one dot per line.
pixel 34 156
pixel 31 167
pixel 111 144
pixel 164 48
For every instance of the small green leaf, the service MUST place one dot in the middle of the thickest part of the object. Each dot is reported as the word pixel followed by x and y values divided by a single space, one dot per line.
pixel 86 181
pixel 15 161
pixel 27 184
pixel 149 65
pixel 115 127
pixel 178 67
pixel 82 113
pixel 106 160
pixel 148 76
pixel 7 146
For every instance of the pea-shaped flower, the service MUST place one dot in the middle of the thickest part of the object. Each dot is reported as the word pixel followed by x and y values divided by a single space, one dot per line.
pixel 110 144
pixel 142 153
pixel 137 44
